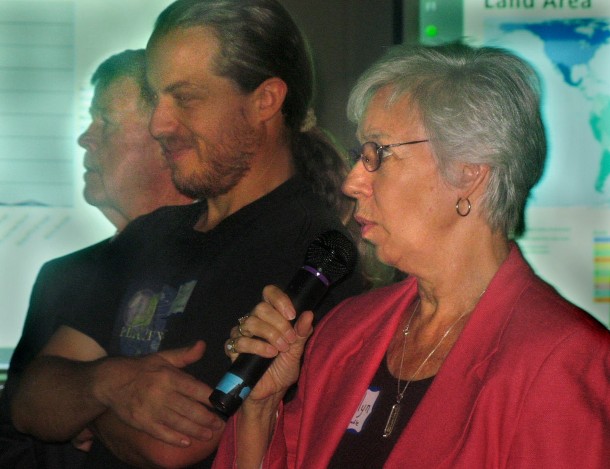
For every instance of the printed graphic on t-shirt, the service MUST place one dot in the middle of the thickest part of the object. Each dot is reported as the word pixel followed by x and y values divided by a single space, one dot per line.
pixel 364 410
pixel 145 317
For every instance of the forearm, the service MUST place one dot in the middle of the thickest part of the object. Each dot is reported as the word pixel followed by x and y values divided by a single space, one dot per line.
pixel 55 399
pixel 141 450
pixel 255 424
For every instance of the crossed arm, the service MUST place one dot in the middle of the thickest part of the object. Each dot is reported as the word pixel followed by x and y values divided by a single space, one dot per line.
pixel 146 410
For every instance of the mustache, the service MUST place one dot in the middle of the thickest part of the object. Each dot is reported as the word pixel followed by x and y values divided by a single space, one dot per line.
pixel 174 143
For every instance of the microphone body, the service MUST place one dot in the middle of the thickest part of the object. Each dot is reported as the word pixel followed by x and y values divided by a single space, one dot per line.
pixel 330 257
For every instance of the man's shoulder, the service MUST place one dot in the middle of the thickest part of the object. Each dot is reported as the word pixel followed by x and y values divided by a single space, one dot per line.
pixel 163 220
pixel 173 214
pixel 295 213
pixel 86 255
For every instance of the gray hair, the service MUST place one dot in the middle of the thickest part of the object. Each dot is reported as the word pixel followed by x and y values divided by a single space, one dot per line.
pixel 126 64
pixel 478 106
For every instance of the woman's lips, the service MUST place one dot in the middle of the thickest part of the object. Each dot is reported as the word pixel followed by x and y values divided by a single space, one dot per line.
pixel 365 225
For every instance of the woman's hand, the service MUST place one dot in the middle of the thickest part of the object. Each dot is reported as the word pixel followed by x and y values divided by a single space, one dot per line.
pixel 268 332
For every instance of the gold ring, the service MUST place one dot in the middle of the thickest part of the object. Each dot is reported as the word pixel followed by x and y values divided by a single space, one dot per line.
pixel 245 332
pixel 231 346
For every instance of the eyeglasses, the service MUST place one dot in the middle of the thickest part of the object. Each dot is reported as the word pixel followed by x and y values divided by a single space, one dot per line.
pixel 372 154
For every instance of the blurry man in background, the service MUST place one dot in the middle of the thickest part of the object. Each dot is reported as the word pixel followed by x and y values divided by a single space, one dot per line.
pixel 126 176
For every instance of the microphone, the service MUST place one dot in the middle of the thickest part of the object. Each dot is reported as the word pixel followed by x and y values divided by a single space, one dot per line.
pixel 330 257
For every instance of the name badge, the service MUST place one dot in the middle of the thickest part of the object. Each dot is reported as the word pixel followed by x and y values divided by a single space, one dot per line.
pixel 364 410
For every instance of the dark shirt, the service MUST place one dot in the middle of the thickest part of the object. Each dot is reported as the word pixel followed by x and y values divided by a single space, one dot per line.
pixel 174 285
pixel 60 285
pixel 363 445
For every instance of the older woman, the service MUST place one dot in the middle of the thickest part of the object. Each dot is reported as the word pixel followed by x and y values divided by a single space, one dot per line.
pixel 472 361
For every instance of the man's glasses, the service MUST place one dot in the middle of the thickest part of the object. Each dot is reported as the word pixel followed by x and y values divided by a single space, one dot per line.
pixel 372 153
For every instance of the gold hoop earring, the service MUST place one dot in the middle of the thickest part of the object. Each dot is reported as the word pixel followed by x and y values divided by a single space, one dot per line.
pixel 457 207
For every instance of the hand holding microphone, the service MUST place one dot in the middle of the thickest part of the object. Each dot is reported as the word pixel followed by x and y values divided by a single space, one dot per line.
pixel 329 258
pixel 279 338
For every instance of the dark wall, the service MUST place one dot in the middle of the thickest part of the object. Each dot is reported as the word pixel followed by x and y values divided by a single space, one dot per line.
pixel 346 36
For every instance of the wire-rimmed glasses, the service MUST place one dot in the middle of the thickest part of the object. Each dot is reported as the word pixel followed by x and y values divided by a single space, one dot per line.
pixel 372 154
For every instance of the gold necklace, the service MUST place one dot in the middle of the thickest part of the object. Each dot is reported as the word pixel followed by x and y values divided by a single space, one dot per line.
pixel 395 411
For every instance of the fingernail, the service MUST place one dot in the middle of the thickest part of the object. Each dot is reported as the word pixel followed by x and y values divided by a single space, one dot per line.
pixel 290 314
pixel 291 336
pixel 185 443
pixel 281 344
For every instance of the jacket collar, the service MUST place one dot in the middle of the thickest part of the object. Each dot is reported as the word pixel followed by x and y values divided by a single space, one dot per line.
pixel 455 389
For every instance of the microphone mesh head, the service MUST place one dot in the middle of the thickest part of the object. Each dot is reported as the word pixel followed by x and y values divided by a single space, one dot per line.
pixel 332 254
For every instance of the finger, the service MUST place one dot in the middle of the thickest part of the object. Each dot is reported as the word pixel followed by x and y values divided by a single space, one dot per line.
pixel 268 313
pixel 272 328
pixel 183 419
pixel 194 421
pixel 234 333
pixel 184 356
pixel 83 440
pixel 188 398
pixel 254 346
pixel 304 325
pixel 155 427
pixel 84 446
pixel 195 390
pixel 168 435
pixel 280 301
pixel 242 328
pixel 231 347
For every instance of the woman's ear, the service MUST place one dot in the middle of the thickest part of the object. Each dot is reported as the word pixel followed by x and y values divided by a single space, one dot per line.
pixel 472 178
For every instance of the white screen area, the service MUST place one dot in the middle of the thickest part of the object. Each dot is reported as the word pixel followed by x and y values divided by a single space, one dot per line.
pixel 568 42
pixel 48 51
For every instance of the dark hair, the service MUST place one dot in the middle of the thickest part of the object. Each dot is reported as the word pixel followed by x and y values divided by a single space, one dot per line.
pixel 258 40
pixel 129 63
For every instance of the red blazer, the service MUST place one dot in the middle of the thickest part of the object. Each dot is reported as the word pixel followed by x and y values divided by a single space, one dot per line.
pixel 527 384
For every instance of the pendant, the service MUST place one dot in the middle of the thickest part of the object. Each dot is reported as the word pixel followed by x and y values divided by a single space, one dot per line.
pixel 389 425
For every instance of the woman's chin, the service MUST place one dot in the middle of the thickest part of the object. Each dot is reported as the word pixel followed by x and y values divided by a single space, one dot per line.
pixel 384 257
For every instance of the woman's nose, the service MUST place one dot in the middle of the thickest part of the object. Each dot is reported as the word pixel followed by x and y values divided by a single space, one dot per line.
pixel 358 182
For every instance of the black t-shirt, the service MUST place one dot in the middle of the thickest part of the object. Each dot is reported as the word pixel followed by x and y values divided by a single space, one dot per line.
pixel 59 285
pixel 173 285
pixel 362 445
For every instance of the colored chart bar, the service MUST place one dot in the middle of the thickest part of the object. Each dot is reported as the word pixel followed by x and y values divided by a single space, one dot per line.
pixel 601 257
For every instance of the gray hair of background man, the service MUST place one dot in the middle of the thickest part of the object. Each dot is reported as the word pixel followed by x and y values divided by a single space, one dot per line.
pixel 129 64
pixel 479 106
pixel 259 40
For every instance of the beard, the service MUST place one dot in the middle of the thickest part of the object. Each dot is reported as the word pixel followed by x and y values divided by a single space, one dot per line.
pixel 221 166
pixel 217 177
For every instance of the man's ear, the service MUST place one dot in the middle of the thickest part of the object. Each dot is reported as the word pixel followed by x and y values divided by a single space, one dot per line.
pixel 269 98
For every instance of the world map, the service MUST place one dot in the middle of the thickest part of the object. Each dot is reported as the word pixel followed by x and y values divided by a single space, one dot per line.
pixel 573 59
